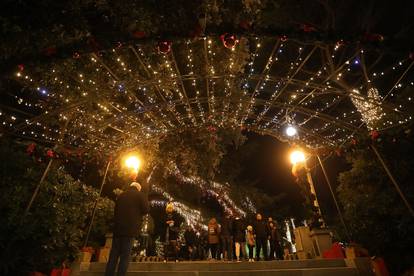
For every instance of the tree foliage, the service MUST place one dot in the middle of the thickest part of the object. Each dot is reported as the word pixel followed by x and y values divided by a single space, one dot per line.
pixel 54 229
pixel 373 210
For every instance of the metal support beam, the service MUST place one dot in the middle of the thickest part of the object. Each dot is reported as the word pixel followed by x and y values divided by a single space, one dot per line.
pixel 96 204
pixel 334 198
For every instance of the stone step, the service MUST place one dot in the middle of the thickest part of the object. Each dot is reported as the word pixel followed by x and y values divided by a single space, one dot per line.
pixel 337 271
pixel 226 266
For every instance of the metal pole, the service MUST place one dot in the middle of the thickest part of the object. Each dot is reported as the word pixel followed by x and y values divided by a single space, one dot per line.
pixel 313 192
pixel 36 191
pixel 334 197
pixel 397 187
pixel 96 204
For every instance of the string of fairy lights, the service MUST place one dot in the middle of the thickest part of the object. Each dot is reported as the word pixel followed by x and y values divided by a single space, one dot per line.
pixel 217 191
pixel 140 93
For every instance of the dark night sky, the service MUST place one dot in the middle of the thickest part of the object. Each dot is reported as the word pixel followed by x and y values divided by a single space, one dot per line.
pixel 270 165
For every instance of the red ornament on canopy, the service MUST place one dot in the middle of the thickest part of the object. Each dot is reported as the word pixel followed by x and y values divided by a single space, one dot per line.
pixel 229 40
pixel 374 135
pixel 50 153
pixel 164 47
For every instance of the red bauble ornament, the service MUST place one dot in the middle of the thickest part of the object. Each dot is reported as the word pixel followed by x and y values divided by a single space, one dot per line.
pixel 373 37
pixel 283 38
pixel 340 42
pixel 164 47
pixel 354 142
pixel 50 153
pixel 307 28
pixel 31 148
pixel 374 135
pixel 20 67
pixel 76 55
pixel 229 40
pixel 139 34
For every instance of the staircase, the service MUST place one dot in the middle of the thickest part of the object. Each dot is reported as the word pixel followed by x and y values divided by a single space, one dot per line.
pixel 336 267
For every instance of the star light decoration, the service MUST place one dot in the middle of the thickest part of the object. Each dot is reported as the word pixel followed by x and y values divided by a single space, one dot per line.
pixel 131 94
pixel 370 111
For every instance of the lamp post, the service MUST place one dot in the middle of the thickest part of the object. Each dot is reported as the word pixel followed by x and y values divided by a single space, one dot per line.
pixel 298 158
pixel 130 162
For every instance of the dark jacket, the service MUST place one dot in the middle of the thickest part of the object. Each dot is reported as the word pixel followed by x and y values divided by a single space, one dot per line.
pixel 275 235
pixel 261 229
pixel 190 237
pixel 172 231
pixel 239 231
pixel 130 206
pixel 226 227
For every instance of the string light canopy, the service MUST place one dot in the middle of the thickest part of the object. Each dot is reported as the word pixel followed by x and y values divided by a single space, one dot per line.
pixel 118 98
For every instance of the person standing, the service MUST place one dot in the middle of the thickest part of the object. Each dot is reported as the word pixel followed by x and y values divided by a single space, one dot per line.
pixel 277 240
pixel 250 242
pixel 262 233
pixel 213 237
pixel 226 236
pixel 190 241
pixel 171 233
pixel 130 206
pixel 239 238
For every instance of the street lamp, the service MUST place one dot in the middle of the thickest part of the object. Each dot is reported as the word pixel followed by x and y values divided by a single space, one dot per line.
pixel 297 156
pixel 133 163
pixel 298 159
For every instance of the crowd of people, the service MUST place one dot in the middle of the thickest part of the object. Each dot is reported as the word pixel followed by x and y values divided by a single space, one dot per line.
pixel 229 240
pixel 233 239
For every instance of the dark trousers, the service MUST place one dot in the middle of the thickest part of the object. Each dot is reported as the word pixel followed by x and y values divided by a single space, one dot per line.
pixel 227 245
pixel 121 249
pixel 171 250
pixel 213 249
pixel 275 248
pixel 261 243
pixel 251 248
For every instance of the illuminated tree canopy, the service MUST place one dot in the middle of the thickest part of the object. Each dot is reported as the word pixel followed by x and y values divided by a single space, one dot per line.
pixel 102 78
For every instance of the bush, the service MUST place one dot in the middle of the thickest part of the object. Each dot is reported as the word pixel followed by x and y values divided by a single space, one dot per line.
pixel 54 229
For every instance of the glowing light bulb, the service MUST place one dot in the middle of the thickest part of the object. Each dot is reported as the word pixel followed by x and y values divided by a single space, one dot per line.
pixel 291 131
pixel 133 162
pixel 297 156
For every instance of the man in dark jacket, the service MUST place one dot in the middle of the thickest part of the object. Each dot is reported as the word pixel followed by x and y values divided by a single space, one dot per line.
pixel 190 241
pixel 275 242
pixel 239 235
pixel 130 206
pixel 227 237
pixel 261 231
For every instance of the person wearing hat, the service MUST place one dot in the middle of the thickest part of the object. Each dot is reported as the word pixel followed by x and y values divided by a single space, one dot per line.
pixel 130 206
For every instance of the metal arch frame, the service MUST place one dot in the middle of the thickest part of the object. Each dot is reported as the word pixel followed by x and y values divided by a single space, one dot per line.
pixel 306 111
pixel 258 101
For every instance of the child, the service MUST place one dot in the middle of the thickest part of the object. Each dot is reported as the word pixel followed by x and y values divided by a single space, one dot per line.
pixel 250 242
